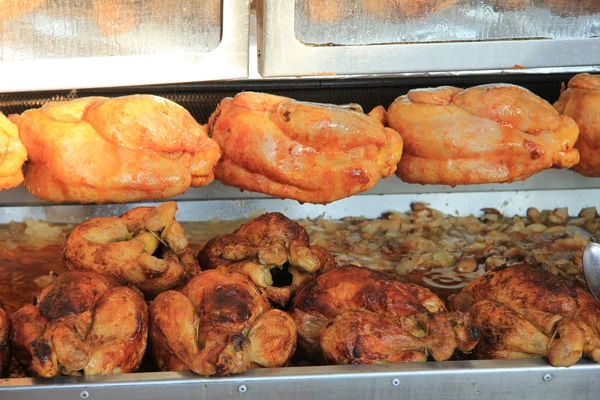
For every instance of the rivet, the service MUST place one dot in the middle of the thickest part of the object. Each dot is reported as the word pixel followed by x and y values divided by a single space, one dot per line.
pixel 84 395
pixel 395 382
pixel 547 378
pixel 242 388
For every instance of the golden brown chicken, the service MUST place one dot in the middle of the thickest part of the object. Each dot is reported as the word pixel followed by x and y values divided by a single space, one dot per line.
pixel 12 154
pixel 581 101
pixel 273 251
pixel 83 322
pixel 219 323
pixel 313 153
pixel 525 311
pixel 145 247
pixel 406 8
pixel 353 315
pixel 131 148
pixel 485 134
pixel 5 355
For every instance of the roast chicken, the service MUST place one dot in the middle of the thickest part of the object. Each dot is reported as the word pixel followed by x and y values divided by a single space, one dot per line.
pixel 98 150
pixel 83 322
pixel 4 342
pixel 353 315
pixel 525 311
pixel 145 247
pixel 273 251
pixel 219 323
pixel 12 154
pixel 486 134
pixel 581 101
pixel 313 153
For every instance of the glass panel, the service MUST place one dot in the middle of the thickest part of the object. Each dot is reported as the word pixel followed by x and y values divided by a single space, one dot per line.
pixel 45 29
pixel 356 22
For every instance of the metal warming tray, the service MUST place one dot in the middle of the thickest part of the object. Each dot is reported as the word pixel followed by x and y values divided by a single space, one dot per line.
pixel 64 44
pixel 400 37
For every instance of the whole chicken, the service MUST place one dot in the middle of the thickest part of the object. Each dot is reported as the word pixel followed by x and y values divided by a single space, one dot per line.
pixel 83 322
pixel 313 153
pixel 273 251
pixel 581 101
pixel 5 355
pixel 486 134
pixel 353 315
pixel 219 323
pixel 125 149
pixel 145 247
pixel 525 311
pixel 12 154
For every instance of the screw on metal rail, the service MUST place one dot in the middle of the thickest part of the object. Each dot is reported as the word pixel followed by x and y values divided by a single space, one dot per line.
pixel 547 378
pixel 242 388
pixel 395 382
pixel 84 395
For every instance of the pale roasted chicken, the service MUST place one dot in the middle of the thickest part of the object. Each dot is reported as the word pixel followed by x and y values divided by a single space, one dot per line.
pixel 4 342
pixel 486 134
pixel 145 247
pixel 219 323
pixel 12 154
pixel 313 153
pixel 524 311
pixel 83 322
pixel 353 315
pixel 581 101
pixel 98 150
pixel 273 251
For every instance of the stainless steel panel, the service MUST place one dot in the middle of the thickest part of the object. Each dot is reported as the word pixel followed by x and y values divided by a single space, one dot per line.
pixel 282 53
pixel 519 379
pixel 64 44
pixel 360 22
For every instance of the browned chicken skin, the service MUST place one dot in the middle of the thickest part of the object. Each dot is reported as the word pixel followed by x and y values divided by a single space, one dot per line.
pixel 313 153
pixel 356 315
pixel 273 251
pixel 219 323
pixel 98 150
pixel 486 134
pixel 83 323
pixel 145 247
pixel 581 101
pixel 525 311
pixel 12 154
pixel 4 341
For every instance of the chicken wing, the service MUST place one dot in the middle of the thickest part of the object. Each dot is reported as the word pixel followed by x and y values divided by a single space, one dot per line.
pixel 273 251
pixel 97 150
pixel 485 134
pixel 219 323
pixel 83 322
pixel 12 155
pixel 309 152
pixel 526 311
pixel 581 101
pixel 145 247
pixel 342 315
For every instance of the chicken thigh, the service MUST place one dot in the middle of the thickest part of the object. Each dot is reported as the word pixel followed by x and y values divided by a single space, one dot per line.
pixel 12 154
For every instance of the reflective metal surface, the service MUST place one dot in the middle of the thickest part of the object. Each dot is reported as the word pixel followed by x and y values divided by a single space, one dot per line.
pixel 510 379
pixel 360 22
pixel 64 44
pixel 591 268
pixel 283 53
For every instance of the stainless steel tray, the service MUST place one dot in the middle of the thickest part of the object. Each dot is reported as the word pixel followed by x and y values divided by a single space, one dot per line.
pixel 467 38
pixel 64 44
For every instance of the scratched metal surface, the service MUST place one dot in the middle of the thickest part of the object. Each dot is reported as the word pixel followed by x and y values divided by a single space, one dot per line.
pixel 56 29
pixel 359 22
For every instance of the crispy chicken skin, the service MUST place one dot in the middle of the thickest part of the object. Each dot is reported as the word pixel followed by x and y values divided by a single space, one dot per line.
pixel 353 315
pixel 219 323
pixel 98 150
pixel 486 134
pixel 83 322
pixel 266 249
pixel 12 154
pixel 525 311
pixel 313 153
pixel 145 247
pixel 581 101
pixel 5 355
pixel 406 8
